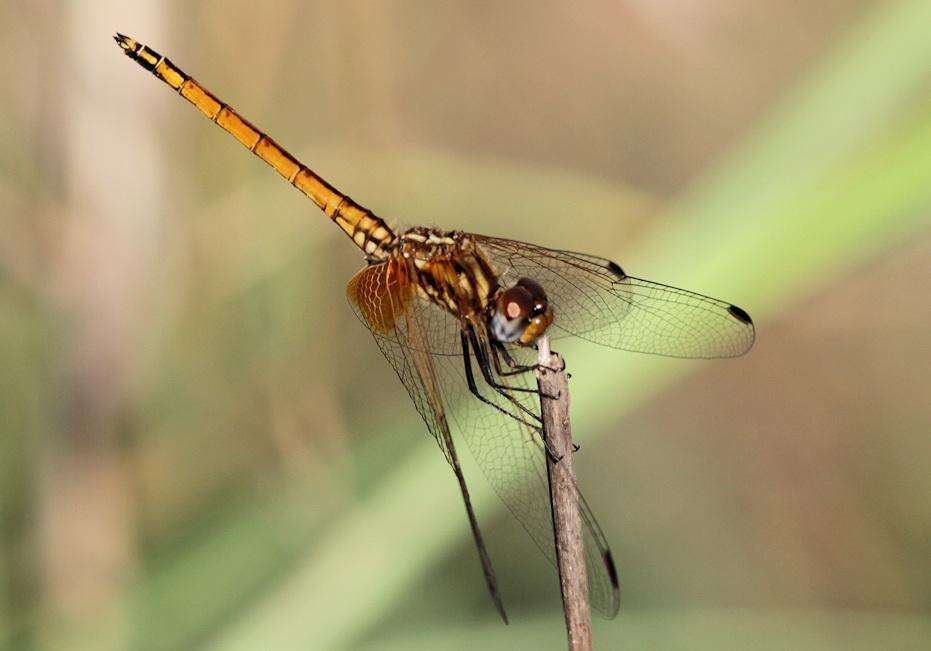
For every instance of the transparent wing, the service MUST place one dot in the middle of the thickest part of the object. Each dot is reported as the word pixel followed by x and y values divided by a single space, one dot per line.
pixel 513 459
pixel 385 301
pixel 594 299
pixel 407 330
pixel 510 453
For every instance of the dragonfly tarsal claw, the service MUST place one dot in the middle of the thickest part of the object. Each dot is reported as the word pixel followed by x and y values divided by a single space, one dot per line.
pixel 555 458
pixel 544 367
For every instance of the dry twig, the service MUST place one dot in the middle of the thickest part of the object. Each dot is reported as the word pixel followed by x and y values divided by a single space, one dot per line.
pixel 567 524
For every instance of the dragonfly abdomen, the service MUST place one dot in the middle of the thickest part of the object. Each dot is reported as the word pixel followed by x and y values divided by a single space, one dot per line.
pixel 369 232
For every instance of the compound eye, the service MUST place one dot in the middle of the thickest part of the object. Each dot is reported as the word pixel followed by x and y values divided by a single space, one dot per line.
pixel 515 303
pixel 537 295
pixel 522 313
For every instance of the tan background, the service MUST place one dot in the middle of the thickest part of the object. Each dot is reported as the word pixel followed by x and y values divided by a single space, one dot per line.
pixel 201 447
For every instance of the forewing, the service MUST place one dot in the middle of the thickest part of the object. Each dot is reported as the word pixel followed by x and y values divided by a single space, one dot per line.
pixel 593 299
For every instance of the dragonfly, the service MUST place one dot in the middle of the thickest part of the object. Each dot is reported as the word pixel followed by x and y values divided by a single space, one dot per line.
pixel 457 315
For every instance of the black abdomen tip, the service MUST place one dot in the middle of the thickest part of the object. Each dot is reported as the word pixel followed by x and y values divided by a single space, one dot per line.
pixel 740 314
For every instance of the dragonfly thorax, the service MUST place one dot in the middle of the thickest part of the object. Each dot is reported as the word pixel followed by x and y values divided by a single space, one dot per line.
pixel 449 270
pixel 452 271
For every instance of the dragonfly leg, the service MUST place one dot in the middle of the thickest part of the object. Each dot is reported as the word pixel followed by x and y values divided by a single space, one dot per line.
pixel 498 348
pixel 473 389
pixel 499 352
pixel 486 372
pixel 482 353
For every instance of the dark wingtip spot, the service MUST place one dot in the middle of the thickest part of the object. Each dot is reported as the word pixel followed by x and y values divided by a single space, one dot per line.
pixel 615 268
pixel 740 315
pixel 612 570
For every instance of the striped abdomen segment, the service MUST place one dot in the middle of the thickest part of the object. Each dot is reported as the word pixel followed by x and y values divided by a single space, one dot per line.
pixel 369 232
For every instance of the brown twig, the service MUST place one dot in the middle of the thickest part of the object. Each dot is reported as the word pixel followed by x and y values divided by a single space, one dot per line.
pixel 567 524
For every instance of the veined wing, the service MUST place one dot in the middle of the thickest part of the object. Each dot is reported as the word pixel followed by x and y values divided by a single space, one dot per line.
pixel 384 299
pixel 513 460
pixel 510 453
pixel 595 300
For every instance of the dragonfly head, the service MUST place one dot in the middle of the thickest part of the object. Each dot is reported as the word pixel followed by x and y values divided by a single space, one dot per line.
pixel 521 313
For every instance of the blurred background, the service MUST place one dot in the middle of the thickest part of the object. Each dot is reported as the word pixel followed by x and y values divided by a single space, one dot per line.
pixel 200 446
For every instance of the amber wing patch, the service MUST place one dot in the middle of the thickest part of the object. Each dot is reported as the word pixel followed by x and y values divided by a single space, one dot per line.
pixel 382 292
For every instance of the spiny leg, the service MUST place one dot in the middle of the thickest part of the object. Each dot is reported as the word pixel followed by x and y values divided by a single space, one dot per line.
pixel 499 351
pixel 473 387
pixel 481 356
pixel 470 378
pixel 499 348
pixel 481 353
